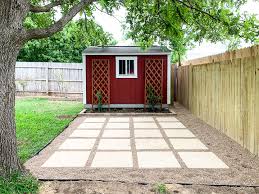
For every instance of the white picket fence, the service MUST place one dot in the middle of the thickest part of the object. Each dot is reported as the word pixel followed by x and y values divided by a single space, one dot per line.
pixel 49 78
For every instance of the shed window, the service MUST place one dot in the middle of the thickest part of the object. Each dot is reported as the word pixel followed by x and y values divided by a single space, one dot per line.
pixel 126 67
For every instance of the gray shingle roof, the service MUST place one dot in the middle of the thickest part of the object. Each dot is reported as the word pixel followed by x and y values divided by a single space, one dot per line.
pixel 125 50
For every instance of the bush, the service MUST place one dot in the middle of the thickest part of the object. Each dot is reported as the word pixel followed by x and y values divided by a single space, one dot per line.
pixel 152 98
pixel 99 97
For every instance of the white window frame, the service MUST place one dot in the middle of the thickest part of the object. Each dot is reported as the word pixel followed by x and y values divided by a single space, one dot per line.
pixel 135 75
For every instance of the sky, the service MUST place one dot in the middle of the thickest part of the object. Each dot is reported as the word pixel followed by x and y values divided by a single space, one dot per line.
pixel 113 25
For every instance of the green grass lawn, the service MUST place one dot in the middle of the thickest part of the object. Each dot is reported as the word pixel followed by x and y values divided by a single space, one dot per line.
pixel 19 183
pixel 38 122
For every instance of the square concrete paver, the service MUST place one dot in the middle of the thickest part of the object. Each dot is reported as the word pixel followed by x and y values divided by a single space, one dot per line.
pixel 179 133
pixel 119 119
pixel 112 159
pixel 147 133
pixel 67 159
pixel 202 160
pixel 173 125
pixel 157 160
pixel 188 144
pixel 166 119
pixel 116 133
pixel 95 120
pixel 152 125
pixel 143 119
pixel 117 126
pixel 77 144
pixel 90 126
pixel 85 133
pixel 114 144
pixel 147 144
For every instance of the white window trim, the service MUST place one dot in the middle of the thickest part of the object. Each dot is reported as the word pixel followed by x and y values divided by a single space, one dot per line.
pixel 135 59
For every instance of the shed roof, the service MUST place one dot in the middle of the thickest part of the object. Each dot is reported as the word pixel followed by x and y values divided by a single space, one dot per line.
pixel 126 50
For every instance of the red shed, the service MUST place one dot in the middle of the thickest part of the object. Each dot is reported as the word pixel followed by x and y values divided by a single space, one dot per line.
pixel 123 73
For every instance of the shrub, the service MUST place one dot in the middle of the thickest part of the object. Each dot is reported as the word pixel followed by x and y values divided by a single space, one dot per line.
pixel 99 98
pixel 152 98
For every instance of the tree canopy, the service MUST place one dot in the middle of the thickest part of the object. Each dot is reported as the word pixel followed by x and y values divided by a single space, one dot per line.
pixel 67 45
pixel 181 23
pixel 177 24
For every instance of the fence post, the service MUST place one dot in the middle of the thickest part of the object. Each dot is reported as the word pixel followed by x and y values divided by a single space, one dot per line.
pixel 190 86
pixel 257 106
pixel 47 78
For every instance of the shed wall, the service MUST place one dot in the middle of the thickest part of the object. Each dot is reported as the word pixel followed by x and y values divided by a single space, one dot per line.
pixel 125 90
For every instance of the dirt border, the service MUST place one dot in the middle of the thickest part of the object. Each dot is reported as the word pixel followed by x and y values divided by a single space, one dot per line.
pixel 83 113
pixel 135 188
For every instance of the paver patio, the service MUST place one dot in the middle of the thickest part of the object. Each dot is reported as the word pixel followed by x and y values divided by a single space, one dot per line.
pixel 116 145
pixel 134 148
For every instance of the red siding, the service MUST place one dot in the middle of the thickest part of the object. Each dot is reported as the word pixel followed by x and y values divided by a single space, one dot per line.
pixel 125 91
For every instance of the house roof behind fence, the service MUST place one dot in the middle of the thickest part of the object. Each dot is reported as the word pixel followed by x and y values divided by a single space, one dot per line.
pixel 126 50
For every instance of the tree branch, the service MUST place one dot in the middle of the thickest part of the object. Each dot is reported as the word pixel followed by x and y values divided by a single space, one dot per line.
pixel 107 14
pixel 179 12
pixel 198 10
pixel 57 26
pixel 45 8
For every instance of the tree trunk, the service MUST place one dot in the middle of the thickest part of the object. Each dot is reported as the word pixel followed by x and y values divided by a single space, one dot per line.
pixel 8 146
pixel 12 13
pixel 12 37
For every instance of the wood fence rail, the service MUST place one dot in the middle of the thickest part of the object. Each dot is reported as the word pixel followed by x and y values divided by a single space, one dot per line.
pixel 49 78
pixel 223 90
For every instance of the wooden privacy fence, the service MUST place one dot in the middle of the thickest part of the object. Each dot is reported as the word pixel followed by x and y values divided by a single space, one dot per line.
pixel 223 90
pixel 49 78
